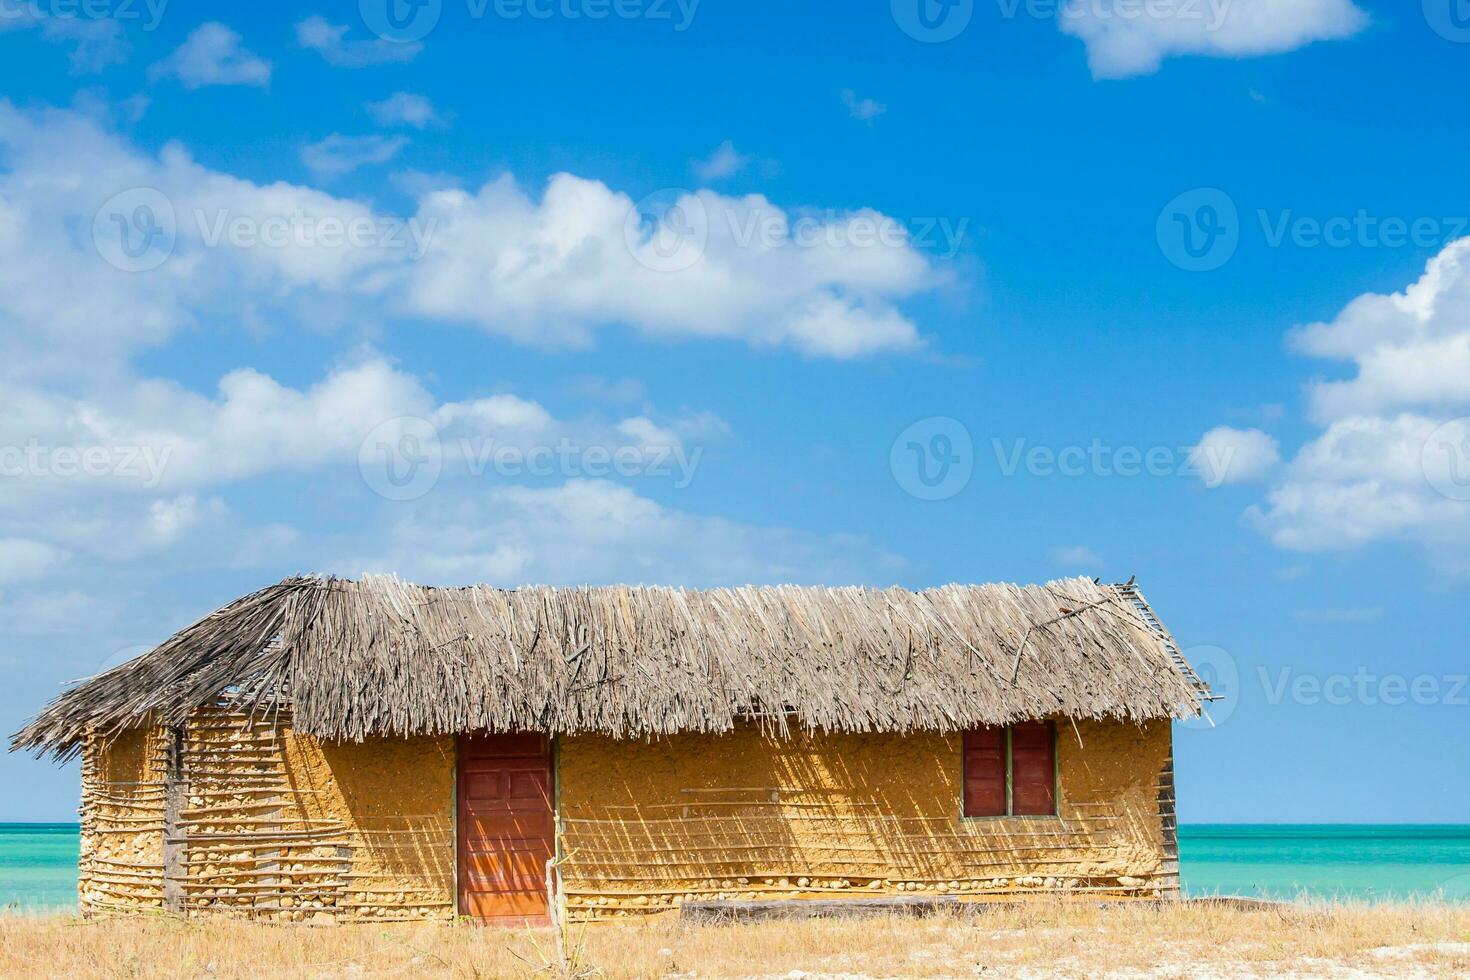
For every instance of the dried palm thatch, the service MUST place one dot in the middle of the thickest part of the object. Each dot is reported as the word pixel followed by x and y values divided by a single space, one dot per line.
pixel 379 656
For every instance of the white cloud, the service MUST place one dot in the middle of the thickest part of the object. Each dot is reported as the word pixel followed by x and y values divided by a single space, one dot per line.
pixel 1225 455
pixel 1077 558
pixel 170 519
pixel 156 437
pixel 1364 479
pixel 24 559
pixel 1126 38
pixel 865 110
pixel 1393 459
pixel 329 40
pixel 646 432
pixel 337 154
pixel 473 526
pixel 595 532
pixel 190 475
pixel 213 55
pixel 1411 349
pixel 63 176
pixel 548 272
pixel 405 109
pixel 96 42
pixel 168 457
pixel 725 161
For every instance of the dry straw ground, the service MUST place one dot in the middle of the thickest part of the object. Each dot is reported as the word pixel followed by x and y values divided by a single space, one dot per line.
pixel 1078 939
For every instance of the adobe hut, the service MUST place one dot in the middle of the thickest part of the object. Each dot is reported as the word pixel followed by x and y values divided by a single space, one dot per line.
pixel 333 751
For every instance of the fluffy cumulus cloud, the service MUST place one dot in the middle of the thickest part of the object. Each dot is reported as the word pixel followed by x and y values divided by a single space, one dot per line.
pixel 597 532
pixel 1367 478
pixel 166 457
pixel 156 437
pixel 107 249
pixel 110 478
pixel 1133 37
pixel 214 55
pixel 105 246
pixel 1393 458
pixel 130 502
pixel 1225 455
pixel 1411 349
pixel 550 271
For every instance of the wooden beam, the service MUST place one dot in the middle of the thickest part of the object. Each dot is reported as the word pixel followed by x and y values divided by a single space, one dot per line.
pixel 175 798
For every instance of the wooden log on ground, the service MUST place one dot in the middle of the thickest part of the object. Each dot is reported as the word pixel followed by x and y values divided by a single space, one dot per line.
pixel 715 912
pixel 728 911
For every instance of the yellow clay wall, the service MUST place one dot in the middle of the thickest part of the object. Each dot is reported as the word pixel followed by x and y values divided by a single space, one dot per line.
pixel 286 827
pixel 649 824
pixel 121 864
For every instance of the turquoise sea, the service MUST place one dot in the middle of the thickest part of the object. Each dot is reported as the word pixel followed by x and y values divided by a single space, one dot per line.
pixel 38 862
pixel 38 865
pixel 1366 862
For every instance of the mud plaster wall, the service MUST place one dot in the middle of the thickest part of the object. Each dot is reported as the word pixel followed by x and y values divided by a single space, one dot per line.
pixel 285 827
pixel 648 825
pixel 120 867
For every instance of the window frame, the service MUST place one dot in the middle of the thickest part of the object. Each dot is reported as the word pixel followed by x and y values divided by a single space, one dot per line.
pixel 1010 814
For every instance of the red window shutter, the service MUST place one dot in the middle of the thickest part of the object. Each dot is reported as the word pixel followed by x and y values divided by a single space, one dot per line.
pixel 985 772
pixel 1033 769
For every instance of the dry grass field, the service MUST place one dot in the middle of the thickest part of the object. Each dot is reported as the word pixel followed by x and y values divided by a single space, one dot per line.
pixel 1050 939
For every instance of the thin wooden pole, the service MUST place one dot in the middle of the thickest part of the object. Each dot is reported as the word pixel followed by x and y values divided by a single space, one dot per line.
pixel 175 796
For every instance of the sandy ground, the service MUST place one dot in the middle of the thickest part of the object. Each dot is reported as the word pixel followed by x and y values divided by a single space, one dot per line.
pixel 1076 939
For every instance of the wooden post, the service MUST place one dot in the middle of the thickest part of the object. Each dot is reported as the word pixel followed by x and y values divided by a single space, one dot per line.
pixel 175 795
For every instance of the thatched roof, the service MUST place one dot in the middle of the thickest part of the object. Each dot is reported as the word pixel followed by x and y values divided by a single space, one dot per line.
pixel 378 656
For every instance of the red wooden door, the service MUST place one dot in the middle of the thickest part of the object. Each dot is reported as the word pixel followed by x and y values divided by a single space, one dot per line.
pixel 506 827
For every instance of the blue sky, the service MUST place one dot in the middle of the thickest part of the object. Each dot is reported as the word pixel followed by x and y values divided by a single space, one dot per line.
pixel 758 292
